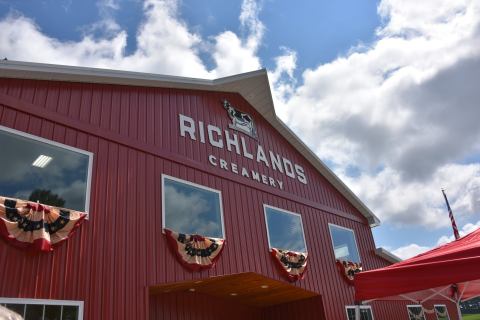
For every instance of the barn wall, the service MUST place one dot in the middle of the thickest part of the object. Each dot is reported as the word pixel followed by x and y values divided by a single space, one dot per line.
pixel 120 251
pixel 194 306
pixel 397 310
pixel 308 309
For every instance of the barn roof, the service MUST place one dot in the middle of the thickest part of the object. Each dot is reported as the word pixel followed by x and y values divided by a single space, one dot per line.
pixel 253 86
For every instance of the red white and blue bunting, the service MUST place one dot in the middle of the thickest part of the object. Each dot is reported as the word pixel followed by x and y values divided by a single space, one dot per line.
pixel 195 252
pixel 36 226
pixel 348 269
pixel 292 264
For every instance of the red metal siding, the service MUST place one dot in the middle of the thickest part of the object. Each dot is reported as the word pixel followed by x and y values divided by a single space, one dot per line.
pixel 309 309
pixel 194 306
pixel 134 135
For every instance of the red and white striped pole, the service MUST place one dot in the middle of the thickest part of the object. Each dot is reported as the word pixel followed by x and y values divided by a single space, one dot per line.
pixel 452 219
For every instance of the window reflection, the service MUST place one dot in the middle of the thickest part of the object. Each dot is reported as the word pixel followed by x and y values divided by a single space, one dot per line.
pixel 30 311
pixel 192 210
pixel 61 181
pixel 34 312
pixel 441 312
pixel 365 313
pixel 344 244
pixel 70 313
pixel 415 312
pixel 285 230
pixel 53 312
pixel 17 308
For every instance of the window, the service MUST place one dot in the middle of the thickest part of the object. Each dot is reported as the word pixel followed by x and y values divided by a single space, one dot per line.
pixel 36 309
pixel 441 312
pixel 344 244
pixel 284 230
pixel 192 209
pixel 415 312
pixel 365 313
pixel 36 169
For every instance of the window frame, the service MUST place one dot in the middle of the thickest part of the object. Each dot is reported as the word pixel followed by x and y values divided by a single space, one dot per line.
pixel 166 176
pixel 417 306
pixel 361 307
pixel 25 301
pixel 354 240
pixel 265 206
pixel 62 146
pixel 441 305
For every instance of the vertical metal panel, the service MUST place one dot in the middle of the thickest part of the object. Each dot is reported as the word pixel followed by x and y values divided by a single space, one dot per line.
pixel 193 306
pixel 305 309
pixel 120 251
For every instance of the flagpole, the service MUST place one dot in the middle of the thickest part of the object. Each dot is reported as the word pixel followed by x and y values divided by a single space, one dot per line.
pixel 452 219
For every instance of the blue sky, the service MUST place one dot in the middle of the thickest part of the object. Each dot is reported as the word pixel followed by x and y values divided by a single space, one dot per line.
pixel 385 92
pixel 318 30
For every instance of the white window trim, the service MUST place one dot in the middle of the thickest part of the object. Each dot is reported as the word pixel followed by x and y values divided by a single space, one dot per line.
pixel 265 206
pixel 164 176
pixel 361 307
pixel 354 239
pixel 441 305
pixel 63 146
pixel 76 303
pixel 415 306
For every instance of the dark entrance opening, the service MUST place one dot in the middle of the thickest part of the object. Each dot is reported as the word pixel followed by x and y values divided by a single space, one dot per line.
pixel 239 296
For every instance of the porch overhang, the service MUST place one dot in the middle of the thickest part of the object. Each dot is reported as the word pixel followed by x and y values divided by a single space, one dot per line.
pixel 247 288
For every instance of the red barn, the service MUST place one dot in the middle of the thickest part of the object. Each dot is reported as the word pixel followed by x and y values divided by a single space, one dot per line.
pixel 200 203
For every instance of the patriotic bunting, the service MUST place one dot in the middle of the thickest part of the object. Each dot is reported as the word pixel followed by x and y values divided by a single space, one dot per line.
pixel 348 270
pixel 33 225
pixel 195 252
pixel 292 264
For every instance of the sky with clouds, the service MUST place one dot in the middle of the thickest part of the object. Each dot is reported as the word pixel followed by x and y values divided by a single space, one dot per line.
pixel 192 210
pixel 66 175
pixel 385 92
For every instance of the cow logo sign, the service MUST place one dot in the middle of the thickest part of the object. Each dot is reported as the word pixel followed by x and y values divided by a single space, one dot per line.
pixel 241 121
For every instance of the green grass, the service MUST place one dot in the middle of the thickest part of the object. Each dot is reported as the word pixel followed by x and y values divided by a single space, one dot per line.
pixel 471 317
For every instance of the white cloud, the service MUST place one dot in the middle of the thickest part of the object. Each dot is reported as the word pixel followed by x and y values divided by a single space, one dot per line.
pixel 414 249
pixel 234 55
pixel 22 39
pixel 420 202
pixel 466 229
pixel 191 212
pixel 109 4
pixel 106 26
pixel 282 79
pixel 409 251
pixel 396 118
pixel 249 20
pixel 231 55
pixel 401 113
pixel 165 44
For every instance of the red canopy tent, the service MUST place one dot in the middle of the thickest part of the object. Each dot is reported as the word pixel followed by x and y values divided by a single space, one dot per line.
pixel 451 271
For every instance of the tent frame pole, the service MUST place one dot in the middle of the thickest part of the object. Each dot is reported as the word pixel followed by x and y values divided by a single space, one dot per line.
pixel 404 296
pixel 448 298
pixel 459 299
pixel 435 293
pixel 470 298
pixel 357 312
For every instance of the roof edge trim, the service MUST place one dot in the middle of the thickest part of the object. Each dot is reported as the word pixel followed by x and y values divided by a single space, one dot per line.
pixel 387 255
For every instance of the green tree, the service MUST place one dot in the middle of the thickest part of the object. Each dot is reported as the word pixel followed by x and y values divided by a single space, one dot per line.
pixel 46 197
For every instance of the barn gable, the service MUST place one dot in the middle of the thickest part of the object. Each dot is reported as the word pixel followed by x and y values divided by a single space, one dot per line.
pixel 275 159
